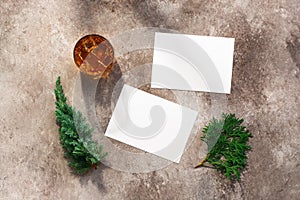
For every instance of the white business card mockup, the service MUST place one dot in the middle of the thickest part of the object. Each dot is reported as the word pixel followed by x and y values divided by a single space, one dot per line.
pixel 192 62
pixel 151 123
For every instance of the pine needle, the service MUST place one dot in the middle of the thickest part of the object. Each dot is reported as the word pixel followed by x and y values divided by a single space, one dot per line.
pixel 227 144
pixel 76 135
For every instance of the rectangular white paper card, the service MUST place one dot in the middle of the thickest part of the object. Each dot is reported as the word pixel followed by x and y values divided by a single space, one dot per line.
pixel 151 123
pixel 192 62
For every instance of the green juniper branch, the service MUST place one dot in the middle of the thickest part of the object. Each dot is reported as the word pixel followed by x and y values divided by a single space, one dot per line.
pixel 227 145
pixel 76 135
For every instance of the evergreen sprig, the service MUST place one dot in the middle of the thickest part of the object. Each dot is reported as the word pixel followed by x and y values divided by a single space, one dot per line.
pixel 76 135
pixel 227 145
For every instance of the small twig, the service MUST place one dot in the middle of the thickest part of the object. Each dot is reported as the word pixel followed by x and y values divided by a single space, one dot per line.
pixel 202 161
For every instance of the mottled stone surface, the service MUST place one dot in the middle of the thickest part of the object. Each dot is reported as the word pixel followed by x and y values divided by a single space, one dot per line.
pixel 37 39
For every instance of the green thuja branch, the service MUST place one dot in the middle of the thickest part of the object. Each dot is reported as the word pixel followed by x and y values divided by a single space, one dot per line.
pixel 76 135
pixel 227 145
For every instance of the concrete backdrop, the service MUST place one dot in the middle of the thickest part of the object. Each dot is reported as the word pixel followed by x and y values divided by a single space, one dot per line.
pixel 37 40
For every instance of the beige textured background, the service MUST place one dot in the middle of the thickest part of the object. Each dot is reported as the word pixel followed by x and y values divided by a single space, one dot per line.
pixel 37 39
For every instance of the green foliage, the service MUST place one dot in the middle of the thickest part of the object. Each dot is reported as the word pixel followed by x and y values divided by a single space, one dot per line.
pixel 227 144
pixel 76 135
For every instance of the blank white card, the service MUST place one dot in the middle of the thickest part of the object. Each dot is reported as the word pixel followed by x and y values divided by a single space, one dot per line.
pixel 151 123
pixel 192 62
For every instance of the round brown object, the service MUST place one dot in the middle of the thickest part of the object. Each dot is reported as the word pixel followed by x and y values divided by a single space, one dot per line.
pixel 94 55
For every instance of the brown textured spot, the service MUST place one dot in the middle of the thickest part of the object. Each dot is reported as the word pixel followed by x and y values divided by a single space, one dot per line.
pixel 152 187
pixel 248 78
pixel 293 46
